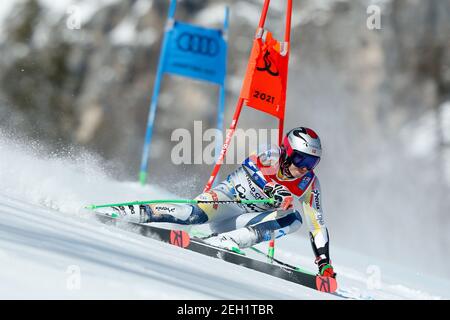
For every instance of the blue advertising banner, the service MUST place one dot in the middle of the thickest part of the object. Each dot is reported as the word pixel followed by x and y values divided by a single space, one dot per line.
pixel 189 51
pixel 196 52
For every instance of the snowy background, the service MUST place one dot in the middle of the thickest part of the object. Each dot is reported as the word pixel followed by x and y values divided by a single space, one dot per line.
pixel 75 85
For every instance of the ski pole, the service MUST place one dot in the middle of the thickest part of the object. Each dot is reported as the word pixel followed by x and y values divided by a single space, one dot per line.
pixel 271 250
pixel 281 262
pixel 189 201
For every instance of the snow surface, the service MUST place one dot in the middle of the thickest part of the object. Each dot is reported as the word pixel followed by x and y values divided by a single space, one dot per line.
pixel 52 249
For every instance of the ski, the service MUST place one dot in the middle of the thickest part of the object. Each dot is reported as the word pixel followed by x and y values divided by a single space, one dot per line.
pixel 182 239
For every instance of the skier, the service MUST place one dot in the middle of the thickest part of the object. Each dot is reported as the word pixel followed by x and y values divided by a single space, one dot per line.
pixel 285 173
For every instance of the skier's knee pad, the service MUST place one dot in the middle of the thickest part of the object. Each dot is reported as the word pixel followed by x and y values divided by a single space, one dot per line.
pixel 198 216
pixel 280 227
pixel 293 222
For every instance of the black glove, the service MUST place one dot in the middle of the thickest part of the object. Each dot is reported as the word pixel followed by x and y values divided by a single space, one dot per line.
pixel 281 195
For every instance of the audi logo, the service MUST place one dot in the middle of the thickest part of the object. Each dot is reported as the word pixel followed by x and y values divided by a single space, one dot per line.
pixel 198 44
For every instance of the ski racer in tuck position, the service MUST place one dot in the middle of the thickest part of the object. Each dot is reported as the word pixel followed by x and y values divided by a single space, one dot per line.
pixel 284 173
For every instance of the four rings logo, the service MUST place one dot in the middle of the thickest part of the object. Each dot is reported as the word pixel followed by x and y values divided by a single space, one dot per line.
pixel 198 44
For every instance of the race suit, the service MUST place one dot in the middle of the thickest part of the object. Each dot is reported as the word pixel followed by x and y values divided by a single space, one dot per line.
pixel 247 183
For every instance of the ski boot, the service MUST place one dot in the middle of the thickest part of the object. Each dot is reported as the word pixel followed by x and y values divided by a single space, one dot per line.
pixel 234 240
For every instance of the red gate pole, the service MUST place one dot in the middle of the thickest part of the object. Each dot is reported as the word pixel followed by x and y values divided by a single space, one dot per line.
pixel 236 115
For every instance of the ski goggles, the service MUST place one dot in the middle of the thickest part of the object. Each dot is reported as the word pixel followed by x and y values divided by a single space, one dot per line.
pixel 302 160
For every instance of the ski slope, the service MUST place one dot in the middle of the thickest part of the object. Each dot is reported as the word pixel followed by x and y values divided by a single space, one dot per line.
pixel 52 249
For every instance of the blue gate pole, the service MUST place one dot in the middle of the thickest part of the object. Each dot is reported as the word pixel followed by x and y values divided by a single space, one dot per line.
pixel 154 103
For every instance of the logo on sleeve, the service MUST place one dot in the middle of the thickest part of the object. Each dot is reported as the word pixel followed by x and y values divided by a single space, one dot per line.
pixel 304 183
pixel 317 199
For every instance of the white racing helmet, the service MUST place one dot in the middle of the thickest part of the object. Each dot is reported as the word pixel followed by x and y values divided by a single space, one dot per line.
pixel 301 147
